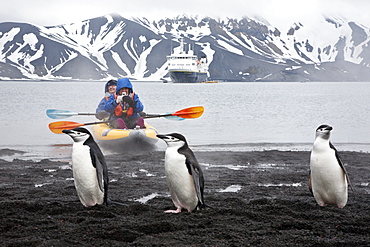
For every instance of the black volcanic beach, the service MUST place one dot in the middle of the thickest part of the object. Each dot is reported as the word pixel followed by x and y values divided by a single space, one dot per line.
pixel 258 199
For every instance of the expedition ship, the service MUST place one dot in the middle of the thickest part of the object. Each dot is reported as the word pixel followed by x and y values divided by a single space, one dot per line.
pixel 185 67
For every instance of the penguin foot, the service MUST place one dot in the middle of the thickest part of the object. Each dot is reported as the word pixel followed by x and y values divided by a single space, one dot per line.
pixel 173 211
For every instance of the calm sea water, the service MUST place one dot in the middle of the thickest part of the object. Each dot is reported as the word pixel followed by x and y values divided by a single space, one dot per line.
pixel 239 116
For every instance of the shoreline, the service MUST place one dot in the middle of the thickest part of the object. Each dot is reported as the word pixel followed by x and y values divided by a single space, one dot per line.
pixel 62 151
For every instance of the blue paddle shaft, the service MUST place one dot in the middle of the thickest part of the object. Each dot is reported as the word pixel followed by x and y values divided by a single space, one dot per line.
pixel 60 114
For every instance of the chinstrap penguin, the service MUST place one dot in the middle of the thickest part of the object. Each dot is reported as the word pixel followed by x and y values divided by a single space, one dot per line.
pixel 183 174
pixel 90 170
pixel 328 179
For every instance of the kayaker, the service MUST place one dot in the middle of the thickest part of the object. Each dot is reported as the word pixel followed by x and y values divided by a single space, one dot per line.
pixel 125 106
pixel 110 88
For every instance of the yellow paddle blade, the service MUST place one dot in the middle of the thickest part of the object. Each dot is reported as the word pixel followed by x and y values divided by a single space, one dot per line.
pixel 191 112
pixel 58 127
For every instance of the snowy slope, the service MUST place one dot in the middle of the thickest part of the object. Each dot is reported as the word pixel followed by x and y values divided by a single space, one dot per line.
pixel 236 49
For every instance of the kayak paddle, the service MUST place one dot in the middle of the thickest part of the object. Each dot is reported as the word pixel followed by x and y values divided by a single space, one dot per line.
pixel 59 114
pixel 191 112
pixel 58 127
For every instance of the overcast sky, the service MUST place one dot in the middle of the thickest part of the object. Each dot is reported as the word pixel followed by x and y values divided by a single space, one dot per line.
pixel 277 12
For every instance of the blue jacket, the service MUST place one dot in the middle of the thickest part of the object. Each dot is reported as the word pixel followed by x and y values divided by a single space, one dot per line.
pixel 103 100
pixel 111 104
pixel 101 105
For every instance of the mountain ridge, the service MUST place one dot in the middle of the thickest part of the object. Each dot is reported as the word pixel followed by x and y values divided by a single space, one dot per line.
pixel 246 49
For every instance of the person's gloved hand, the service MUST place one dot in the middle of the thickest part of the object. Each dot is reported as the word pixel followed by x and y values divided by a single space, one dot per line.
pixel 101 115
pixel 129 101
pixel 119 99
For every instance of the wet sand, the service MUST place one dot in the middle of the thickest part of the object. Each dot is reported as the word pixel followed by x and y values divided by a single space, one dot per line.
pixel 258 199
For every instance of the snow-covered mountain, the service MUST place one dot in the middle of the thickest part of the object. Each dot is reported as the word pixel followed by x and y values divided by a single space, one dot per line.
pixel 330 49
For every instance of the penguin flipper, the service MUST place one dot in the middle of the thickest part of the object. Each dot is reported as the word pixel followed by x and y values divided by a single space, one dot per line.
pixel 195 171
pixel 310 182
pixel 101 167
pixel 100 174
pixel 197 174
pixel 341 164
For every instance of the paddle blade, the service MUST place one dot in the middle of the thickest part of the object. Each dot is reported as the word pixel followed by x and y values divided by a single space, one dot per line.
pixel 58 127
pixel 175 118
pixel 191 112
pixel 59 114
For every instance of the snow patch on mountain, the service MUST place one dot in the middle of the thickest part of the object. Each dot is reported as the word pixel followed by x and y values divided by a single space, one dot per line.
pixel 7 37
pixel 119 62
pixel 229 47
pixel 141 65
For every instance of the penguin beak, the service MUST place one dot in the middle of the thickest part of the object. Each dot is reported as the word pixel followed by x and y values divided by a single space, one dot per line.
pixel 162 136
pixel 165 138
pixel 329 128
pixel 67 131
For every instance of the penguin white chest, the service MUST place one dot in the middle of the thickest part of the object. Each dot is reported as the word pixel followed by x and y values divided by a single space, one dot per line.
pixel 329 183
pixel 179 181
pixel 85 177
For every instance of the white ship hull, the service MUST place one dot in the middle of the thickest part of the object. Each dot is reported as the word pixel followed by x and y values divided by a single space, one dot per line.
pixel 187 76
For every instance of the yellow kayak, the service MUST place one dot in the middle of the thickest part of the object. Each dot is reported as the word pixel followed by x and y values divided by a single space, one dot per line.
pixel 124 139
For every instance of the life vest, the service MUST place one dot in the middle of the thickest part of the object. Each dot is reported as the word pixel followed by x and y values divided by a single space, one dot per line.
pixel 119 111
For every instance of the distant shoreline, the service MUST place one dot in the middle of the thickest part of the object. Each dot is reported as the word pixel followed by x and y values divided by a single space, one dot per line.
pixel 63 152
